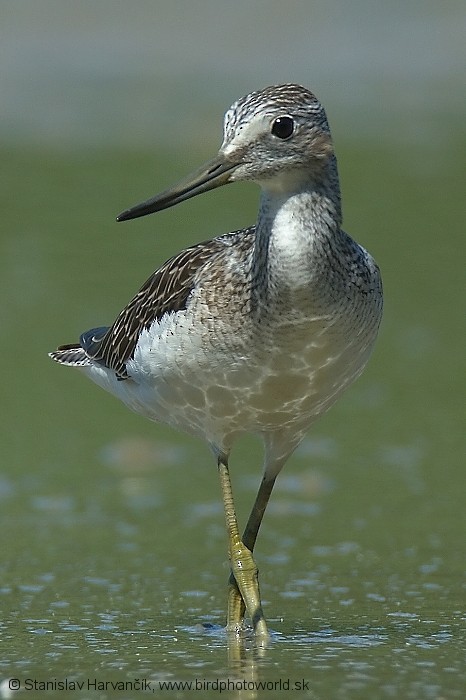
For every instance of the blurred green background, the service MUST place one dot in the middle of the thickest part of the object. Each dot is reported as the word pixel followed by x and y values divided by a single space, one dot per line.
pixel 113 550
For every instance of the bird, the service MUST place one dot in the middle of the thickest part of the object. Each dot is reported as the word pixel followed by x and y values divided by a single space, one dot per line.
pixel 258 330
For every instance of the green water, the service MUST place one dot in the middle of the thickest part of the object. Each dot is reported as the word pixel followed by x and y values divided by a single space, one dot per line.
pixel 113 563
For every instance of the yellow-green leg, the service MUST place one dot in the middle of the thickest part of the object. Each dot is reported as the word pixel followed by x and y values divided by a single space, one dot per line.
pixel 236 602
pixel 243 590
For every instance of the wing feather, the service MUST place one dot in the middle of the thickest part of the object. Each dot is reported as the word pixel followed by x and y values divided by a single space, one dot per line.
pixel 167 290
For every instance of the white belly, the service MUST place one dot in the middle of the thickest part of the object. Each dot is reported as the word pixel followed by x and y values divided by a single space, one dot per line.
pixel 207 381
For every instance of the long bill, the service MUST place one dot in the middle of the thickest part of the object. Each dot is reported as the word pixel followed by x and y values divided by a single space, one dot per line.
pixel 213 174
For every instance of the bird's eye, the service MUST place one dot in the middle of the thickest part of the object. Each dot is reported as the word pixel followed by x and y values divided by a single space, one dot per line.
pixel 283 127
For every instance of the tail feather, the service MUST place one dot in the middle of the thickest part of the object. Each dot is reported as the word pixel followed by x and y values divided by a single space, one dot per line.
pixel 72 355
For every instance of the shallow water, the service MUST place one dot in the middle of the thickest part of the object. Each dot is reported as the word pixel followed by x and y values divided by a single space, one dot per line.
pixel 123 577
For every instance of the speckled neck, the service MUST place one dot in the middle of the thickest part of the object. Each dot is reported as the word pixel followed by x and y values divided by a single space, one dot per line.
pixel 296 233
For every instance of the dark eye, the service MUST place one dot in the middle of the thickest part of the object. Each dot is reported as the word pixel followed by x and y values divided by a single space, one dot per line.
pixel 283 127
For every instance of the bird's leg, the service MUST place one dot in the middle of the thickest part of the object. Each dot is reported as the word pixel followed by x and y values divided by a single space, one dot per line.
pixel 257 512
pixel 236 602
pixel 244 593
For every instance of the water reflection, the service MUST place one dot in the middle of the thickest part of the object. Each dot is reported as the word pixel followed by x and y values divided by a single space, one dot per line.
pixel 346 651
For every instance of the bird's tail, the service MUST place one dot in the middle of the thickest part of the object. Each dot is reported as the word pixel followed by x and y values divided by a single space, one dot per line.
pixel 72 355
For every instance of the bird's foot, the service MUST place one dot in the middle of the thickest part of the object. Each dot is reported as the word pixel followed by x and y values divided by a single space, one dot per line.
pixel 243 593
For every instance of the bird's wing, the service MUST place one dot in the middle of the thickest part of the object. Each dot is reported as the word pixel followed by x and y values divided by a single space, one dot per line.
pixel 167 290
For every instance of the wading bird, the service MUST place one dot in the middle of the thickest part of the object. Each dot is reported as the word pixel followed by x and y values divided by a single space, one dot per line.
pixel 255 331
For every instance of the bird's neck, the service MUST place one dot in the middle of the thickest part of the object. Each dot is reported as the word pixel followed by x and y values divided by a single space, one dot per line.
pixel 296 234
